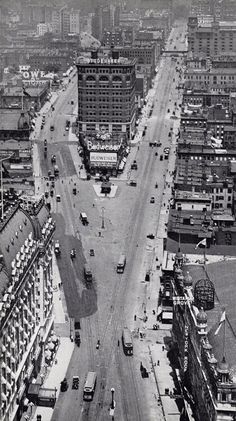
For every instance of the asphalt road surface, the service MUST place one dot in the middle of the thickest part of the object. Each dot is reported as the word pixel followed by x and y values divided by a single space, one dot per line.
pixel 108 304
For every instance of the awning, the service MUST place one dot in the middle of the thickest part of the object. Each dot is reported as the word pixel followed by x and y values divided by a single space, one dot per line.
pixel 167 315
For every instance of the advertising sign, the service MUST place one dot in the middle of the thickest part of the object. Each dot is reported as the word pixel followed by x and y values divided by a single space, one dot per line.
pixel 103 159
pixel 33 76
pixel 186 330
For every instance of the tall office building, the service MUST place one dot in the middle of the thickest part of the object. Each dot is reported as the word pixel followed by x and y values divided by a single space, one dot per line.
pixel 106 93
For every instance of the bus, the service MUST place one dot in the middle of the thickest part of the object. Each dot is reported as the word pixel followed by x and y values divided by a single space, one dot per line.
pixel 127 341
pixel 121 264
pixel 89 386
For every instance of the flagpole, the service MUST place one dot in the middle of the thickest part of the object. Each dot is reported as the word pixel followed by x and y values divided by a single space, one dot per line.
pixel 224 337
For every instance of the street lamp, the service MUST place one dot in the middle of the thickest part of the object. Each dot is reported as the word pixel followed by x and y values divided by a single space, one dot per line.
pixel 103 209
pixel 5 158
pixel 112 398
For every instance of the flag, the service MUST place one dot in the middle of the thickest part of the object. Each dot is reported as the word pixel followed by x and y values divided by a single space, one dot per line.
pixel 222 320
pixel 202 243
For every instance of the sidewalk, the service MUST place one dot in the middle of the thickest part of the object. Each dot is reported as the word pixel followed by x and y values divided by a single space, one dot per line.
pixel 156 360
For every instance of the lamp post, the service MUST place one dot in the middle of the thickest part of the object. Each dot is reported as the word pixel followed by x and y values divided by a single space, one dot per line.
pixel 103 225
pixel 112 398
pixel 5 158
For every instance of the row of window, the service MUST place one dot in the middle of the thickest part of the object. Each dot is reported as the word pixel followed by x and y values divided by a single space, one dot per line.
pixel 109 102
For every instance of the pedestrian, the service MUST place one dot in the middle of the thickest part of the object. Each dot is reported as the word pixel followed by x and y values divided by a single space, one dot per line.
pixel 153 312
pixel 163 348
pixel 158 362
pixel 118 343
pixel 135 317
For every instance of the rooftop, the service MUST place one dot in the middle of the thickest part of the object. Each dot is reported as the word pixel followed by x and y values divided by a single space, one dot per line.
pixel 222 274
pixel 190 222
pixel 13 119
pixel 104 60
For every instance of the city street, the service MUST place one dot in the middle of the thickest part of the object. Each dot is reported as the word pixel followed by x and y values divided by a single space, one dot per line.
pixel 110 303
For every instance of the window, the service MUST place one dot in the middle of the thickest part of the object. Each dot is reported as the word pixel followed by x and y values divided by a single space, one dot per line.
pixel 223 397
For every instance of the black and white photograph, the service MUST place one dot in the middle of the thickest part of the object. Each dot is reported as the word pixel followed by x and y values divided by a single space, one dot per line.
pixel 117 210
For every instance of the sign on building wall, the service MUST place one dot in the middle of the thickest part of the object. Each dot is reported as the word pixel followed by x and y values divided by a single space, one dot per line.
pixel 33 76
pixel 103 159
pixel 186 330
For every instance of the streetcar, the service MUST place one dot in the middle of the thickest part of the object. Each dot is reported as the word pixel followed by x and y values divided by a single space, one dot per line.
pixel 127 341
pixel 121 264
pixel 89 386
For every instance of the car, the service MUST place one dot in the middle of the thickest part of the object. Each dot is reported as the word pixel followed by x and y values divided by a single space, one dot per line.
pixel 75 382
pixel 46 194
pixel 161 157
pixel 58 198
pixel 151 236
pixel 53 159
pixel 134 165
pixel 64 385
pixel 74 191
pixel 167 150
pixel 51 193
pixel 152 200
pixel 133 183
pixel 42 126
pixel 52 128
pixel 91 252
pixel 168 110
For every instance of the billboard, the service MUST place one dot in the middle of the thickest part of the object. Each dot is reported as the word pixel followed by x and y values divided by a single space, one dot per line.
pixel 103 159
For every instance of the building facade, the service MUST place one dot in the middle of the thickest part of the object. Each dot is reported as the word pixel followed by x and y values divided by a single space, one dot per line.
pixel 25 301
pixel 202 360
pixel 211 38
pixel 106 94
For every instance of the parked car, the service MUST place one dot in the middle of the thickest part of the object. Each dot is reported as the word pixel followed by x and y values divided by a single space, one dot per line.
pixel 133 183
pixel 64 385
pixel 152 200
